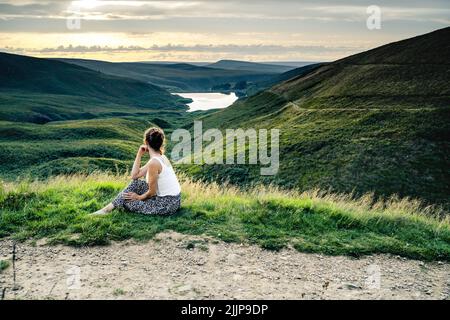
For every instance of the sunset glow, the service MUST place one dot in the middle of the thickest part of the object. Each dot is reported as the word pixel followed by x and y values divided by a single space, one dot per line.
pixel 208 30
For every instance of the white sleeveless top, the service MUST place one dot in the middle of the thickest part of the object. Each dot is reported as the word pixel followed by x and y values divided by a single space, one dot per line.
pixel 168 184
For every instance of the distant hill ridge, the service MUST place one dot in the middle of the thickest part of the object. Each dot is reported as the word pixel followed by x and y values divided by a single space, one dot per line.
pixel 409 71
pixel 27 74
pixel 180 77
pixel 430 48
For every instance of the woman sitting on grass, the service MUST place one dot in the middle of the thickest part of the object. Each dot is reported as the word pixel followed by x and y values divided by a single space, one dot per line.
pixel 159 194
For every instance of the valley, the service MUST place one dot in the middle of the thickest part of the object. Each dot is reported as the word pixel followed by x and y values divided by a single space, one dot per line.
pixel 376 122
pixel 184 77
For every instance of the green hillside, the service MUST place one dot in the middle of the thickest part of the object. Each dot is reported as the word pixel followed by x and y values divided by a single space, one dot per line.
pixel 67 147
pixel 176 77
pixel 375 122
pixel 42 90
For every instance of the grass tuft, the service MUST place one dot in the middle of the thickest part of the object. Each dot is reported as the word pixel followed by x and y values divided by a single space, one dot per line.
pixel 4 264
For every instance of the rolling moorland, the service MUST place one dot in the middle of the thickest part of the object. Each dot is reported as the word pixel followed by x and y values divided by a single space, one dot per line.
pixel 183 77
pixel 42 90
pixel 376 122
pixel 101 126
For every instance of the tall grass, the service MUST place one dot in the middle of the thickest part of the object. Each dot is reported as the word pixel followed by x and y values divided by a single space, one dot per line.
pixel 314 221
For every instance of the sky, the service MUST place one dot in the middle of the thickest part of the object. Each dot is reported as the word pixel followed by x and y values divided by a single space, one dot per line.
pixel 200 30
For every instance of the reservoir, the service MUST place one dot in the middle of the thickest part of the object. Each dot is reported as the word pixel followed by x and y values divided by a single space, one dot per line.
pixel 209 100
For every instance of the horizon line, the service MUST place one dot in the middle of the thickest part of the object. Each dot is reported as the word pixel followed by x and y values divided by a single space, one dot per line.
pixel 167 61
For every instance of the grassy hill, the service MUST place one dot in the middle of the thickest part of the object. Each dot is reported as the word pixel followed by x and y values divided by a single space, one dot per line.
pixel 375 122
pixel 67 147
pixel 311 222
pixel 176 77
pixel 42 90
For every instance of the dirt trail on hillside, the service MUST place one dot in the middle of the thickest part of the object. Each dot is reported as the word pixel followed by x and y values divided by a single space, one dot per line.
pixel 175 266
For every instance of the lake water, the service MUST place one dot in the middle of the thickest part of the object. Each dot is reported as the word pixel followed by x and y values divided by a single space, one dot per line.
pixel 210 100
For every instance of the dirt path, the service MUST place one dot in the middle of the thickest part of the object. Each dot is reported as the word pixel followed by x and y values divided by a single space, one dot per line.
pixel 175 266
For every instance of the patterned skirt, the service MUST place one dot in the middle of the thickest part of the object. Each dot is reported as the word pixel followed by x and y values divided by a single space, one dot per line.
pixel 167 205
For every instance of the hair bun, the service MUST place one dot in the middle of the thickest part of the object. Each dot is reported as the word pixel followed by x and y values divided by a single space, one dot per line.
pixel 154 138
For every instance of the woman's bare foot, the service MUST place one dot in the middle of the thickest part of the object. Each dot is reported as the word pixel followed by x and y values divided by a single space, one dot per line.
pixel 106 210
pixel 100 213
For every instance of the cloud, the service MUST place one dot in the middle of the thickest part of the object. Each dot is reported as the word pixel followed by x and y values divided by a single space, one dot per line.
pixel 36 9
pixel 200 52
pixel 230 48
pixel 249 9
pixel 325 28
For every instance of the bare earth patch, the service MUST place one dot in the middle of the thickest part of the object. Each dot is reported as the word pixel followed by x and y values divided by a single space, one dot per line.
pixel 176 266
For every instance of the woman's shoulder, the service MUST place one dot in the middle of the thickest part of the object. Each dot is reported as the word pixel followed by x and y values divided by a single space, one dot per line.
pixel 155 162
pixel 166 160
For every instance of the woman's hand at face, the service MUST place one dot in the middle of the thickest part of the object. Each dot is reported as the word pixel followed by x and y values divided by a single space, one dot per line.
pixel 143 149
pixel 131 196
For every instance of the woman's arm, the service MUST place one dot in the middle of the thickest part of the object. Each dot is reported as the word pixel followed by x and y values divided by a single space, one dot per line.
pixel 138 172
pixel 153 170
